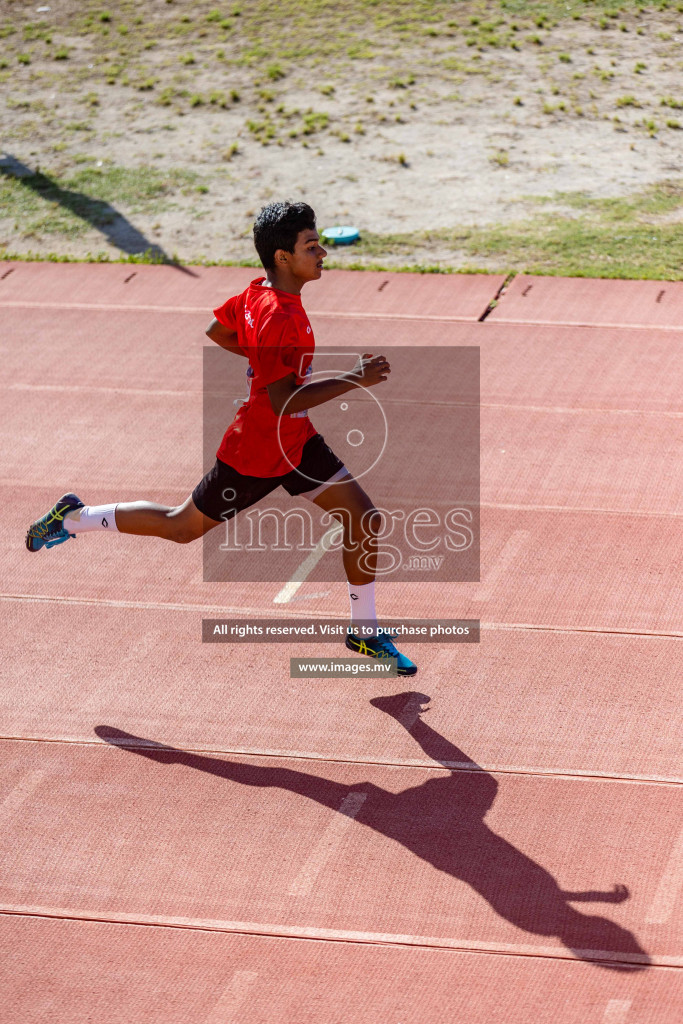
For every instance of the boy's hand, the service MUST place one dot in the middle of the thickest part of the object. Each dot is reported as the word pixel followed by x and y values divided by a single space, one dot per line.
pixel 371 370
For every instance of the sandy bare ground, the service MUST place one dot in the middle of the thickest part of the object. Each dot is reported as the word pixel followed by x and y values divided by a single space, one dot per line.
pixel 479 131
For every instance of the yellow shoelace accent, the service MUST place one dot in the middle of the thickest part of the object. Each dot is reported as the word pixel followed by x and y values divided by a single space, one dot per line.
pixel 40 529
pixel 364 649
pixel 56 514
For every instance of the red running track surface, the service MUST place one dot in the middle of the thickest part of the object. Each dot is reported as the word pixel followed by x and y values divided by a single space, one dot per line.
pixel 586 301
pixel 314 850
pixel 416 296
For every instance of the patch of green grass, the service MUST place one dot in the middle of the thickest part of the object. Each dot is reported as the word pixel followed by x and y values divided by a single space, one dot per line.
pixel 165 98
pixel 264 130
pixel 67 205
pixel 626 237
pixel 611 238
pixel 402 82
pixel 149 256
pixel 335 43
pixel 630 238
pixel 315 121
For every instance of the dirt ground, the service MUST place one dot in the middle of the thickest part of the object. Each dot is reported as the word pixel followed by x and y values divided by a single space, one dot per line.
pixel 442 131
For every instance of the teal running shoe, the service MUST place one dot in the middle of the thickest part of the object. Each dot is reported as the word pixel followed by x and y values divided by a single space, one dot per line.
pixel 50 530
pixel 381 646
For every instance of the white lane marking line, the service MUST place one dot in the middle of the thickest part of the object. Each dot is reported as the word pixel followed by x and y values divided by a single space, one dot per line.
pixel 102 307
pixel 616 1011
pixel 98 390
pixel 327 844
pixel 577 775
pixel 309 563
pixel 115 389
pixel 511 549
pixel 669 886
pixel 538 627
pixel 153 605
pixel 579 323
pixel 336 934
pixel 571 509
pixel 339 314
pixel 232 998
pixel 21 793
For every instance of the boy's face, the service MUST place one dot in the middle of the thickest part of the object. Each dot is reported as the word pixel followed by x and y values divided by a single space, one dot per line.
pixel 306 262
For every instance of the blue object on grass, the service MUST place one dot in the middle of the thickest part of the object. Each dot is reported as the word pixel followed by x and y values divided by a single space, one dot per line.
pixel 341 235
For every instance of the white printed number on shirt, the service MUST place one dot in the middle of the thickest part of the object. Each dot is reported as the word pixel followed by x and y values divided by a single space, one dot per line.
pixel 304 412
pixel 248 317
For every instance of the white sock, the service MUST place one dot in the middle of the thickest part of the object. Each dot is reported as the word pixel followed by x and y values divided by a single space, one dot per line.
pixel 362 600
pixel 91 517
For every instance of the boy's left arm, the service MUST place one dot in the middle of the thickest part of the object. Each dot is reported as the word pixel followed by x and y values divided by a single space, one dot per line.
pixel 224 337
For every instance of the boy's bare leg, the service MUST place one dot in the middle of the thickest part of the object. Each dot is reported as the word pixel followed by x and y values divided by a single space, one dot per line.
pixel 361 521
pixel 181 524
pixel 70 516
pixel 348 502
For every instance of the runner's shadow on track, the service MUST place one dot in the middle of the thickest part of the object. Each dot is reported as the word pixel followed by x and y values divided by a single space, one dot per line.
pixel 98 213
pixel 441 821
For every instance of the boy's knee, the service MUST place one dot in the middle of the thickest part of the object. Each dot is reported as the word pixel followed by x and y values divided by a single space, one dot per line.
pixel 366 522
pixel 371 520
pixel 182 532
pixel 184 536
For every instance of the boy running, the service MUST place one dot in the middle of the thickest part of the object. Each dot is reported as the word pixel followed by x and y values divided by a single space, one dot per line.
pixel 271 442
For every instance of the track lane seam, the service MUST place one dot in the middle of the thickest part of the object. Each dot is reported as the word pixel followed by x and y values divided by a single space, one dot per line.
pixel 297 755
pixel 108 307
pixel 346 315
pixel 16 482
pixel 437 403
pixel 267 612
pixel 339 935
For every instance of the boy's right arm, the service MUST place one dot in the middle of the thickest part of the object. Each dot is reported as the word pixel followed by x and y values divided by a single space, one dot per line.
pixel 286 396
pixel 224 337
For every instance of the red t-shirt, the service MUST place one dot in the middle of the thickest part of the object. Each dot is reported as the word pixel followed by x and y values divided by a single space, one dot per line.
pixel 274 332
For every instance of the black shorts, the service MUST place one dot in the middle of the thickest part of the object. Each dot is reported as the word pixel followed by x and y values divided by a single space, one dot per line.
pixel 224 492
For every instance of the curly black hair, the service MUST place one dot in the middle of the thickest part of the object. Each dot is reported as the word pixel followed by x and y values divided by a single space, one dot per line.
pixel 277 227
